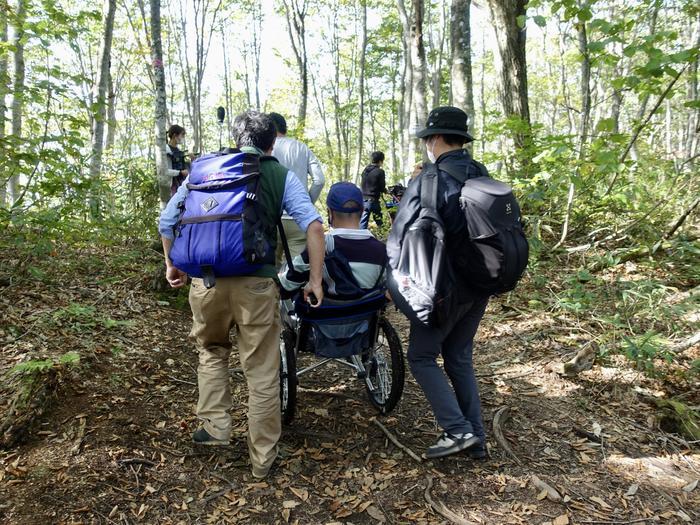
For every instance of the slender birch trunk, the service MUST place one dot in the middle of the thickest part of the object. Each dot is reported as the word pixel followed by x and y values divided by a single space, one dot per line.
pixel 109 9
pixel 18 89
pixel 160 100
pixel 4 80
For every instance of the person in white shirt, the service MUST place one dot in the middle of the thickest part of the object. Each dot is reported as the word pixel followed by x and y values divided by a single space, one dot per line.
pixel 300 160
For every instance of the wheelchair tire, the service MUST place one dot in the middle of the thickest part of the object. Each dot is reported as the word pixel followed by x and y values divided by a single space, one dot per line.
pixel 288 375
pixel 387 385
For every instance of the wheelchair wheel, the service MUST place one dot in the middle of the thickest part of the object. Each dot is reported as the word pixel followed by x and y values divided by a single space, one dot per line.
pixel 288 375
pixel 385 368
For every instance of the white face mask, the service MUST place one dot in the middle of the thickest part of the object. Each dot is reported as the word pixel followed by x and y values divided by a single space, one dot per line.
pixel 429 149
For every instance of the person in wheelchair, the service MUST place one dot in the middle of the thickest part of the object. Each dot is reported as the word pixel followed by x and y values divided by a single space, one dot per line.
pixel 353 277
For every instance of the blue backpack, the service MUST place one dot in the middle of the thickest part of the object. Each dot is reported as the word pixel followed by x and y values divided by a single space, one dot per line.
pixel 221 231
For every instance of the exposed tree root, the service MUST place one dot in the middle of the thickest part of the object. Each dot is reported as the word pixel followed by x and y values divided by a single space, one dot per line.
pixel 498 421
pixel 440 508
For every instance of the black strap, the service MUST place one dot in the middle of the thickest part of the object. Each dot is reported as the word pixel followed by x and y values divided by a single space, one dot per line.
pixel 285 244
pixel 460 175
pixel 208 276
pixel 429 188
pixel 212 218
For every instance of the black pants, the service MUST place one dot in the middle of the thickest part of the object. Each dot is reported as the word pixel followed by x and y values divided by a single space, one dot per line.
pixel 455 403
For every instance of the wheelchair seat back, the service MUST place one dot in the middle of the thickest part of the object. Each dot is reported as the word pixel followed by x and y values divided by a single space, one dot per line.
pixel 342 328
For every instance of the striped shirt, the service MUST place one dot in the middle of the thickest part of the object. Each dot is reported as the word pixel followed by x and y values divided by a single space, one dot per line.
pixel 365 254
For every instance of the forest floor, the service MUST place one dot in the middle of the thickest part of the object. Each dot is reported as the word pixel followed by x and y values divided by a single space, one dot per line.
pixel 111 440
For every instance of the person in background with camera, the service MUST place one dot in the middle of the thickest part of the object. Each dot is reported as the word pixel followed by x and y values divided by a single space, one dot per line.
pixel 178 164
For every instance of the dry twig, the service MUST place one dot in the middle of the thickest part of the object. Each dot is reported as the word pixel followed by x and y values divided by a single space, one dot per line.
pixel 396 442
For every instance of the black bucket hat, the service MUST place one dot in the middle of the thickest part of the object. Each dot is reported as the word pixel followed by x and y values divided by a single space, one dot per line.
pixel 446 120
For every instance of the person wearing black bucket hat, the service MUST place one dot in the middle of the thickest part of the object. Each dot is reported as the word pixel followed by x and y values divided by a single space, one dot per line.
pixel 453 392
pixel 447 120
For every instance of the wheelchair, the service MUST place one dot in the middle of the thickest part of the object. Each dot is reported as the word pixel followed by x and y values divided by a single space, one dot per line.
pixel 356 334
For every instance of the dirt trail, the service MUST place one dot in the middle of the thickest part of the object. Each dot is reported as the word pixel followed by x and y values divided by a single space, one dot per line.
pixel 114 445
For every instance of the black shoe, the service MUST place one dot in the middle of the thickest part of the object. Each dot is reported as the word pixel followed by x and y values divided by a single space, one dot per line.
pixel 451 444
pixel 478 452
pixel 202 437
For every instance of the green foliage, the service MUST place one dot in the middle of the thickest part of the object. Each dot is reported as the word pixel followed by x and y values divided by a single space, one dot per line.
pixel 40 366
pixel 84 318
pixel 645 349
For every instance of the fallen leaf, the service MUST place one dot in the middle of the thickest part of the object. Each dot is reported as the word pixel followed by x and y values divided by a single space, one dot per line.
pixel 375 513
pixel 600 502
pixel 542 495
pixel 632 490
pixel 114 511
pixel 561 520
pixel 690 487
pixel 285 515
pixel 290 504
pixel 682 515
pixel 597 429
pixel 302 494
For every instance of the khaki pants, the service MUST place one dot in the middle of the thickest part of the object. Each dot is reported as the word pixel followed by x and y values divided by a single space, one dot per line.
pixel 296 239
pixel 251 304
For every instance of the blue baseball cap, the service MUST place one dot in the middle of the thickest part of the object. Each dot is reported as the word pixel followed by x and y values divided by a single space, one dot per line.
pixel 340 194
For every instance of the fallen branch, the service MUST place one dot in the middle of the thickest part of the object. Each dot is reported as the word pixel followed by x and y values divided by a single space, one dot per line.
pixel 676 225
pixel 440 508
pixel 687 343
pixel 552 493
pixel 498 421
pixel 638 520
pixel 396 442
pixel 136 461
pixel 182 381
pixel 588 435
pixel 338 395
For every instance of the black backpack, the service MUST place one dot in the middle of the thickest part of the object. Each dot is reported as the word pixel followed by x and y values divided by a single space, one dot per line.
pixel 497 252
pixel 416 283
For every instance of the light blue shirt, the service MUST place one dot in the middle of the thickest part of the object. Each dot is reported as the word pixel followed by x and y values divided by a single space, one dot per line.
pixel 295 200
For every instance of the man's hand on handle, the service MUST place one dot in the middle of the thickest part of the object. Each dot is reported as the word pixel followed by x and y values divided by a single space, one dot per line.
pixel 313 293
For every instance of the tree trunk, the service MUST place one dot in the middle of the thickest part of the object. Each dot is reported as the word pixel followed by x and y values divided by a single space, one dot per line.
pixel 462 91
pixel 585 85
pixel 693 124
pixel 18 89
pixel 512 65
pixel 164 182
pixel 406 110
pixel 257 45
pixel 227 86
pixel 100 98
pixel 419 68
pixel 361 116
pixel 295 11
pixel 4 9
pixel 111 114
